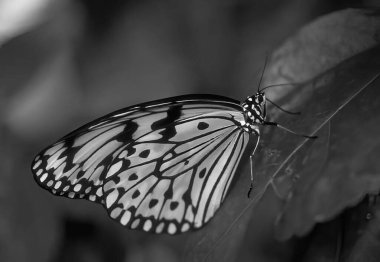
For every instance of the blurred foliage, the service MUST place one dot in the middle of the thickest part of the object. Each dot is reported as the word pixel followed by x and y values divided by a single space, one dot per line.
pixel 62 63
pixel 341 167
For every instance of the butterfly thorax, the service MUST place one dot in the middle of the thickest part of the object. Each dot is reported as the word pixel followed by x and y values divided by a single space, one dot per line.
pixel 254 112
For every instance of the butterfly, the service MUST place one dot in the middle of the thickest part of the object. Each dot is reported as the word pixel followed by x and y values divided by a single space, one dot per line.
pixel 163 166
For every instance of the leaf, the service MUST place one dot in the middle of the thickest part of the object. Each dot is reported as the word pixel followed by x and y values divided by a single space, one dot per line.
pixel 320 46
pixel 282 160
pixel 367 242
pixel 341 167
pixel 351 237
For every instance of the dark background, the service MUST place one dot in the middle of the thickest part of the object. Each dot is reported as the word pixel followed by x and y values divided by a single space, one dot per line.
pixel 77 60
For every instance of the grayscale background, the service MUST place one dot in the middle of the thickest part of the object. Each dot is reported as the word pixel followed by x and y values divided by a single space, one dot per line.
pixel 64 63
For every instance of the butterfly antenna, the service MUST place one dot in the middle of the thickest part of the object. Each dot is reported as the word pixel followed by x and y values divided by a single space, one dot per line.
pixel 262 73
pixel 283 110
pixel 286 84
pixel 288 130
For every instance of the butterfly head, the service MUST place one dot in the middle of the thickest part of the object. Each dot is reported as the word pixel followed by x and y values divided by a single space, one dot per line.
pixel 254 109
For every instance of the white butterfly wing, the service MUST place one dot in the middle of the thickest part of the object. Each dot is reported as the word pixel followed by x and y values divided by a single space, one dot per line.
pixel 178 155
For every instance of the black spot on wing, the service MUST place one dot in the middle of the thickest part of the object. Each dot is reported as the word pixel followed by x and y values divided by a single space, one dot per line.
pixel 173 114
pixel 202 125
pixel 173 205
pixel 131 151
pixel 129 130
pixel 133 177
pixel 202 173
pixel 126 163
pixel 169 193
pixel 136 194
pixel 152 203
pixel 145 153
pixel 187 197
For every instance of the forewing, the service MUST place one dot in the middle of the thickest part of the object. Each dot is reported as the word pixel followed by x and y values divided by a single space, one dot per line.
pixel 175 177
pixel 76 165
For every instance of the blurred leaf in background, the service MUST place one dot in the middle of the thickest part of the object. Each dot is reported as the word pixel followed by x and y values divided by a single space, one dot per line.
pixel 20 16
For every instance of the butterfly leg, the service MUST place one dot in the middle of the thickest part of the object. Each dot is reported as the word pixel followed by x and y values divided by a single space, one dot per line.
pixel 251 164
pixel 287 129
